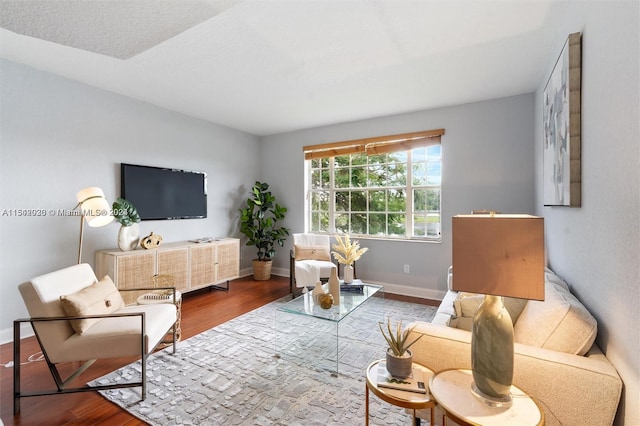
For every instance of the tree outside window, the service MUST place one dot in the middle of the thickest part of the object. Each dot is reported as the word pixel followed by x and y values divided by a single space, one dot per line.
pixel 388 195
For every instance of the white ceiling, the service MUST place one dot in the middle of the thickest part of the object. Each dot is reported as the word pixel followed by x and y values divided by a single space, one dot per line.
pixel 273 66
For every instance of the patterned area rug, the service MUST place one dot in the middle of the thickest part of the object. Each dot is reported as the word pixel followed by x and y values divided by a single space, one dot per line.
pixel 229 374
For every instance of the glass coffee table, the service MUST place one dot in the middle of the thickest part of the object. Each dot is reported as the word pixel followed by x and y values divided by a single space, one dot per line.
pixel 304 305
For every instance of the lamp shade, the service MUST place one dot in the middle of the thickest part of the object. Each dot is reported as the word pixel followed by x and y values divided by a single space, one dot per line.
pixel 501 255
pixel 94 206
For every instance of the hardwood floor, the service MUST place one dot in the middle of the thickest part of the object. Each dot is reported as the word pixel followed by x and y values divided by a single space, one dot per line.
pixel 201 310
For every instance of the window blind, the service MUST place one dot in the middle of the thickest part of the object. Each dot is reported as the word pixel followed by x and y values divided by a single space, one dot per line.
pixel 376 145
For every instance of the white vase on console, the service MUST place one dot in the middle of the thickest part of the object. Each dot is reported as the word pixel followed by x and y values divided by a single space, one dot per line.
pixel 129 234
pixel 128 237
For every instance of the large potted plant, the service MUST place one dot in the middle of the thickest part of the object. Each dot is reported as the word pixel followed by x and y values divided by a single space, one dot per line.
pixel 259 221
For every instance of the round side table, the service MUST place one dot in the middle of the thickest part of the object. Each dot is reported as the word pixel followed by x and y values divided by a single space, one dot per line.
pixel 153 298
pixel 452 391
pixel 405 399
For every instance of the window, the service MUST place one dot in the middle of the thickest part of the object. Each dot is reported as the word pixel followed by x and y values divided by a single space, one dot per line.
pixel 386 187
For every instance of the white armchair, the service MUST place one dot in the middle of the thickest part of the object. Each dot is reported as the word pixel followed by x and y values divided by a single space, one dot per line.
pixel 310 261
pixel 75 318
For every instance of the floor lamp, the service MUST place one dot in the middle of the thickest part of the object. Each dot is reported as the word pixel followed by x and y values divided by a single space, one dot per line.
pixel 496 255
pixel 94 208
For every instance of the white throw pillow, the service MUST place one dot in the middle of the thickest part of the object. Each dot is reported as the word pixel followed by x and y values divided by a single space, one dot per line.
pixel 466 305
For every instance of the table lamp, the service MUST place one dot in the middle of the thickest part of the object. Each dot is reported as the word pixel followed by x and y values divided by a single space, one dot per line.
pixel 94 208
pixel 496 255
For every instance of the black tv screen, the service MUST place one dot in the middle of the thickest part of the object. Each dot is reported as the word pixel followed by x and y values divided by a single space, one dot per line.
pixel 163 193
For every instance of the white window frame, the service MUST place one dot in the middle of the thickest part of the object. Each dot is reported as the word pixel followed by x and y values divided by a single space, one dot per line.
pixel 325 151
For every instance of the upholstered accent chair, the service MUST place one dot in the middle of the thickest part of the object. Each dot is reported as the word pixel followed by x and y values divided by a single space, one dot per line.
pixel 310 261
pixel 78 318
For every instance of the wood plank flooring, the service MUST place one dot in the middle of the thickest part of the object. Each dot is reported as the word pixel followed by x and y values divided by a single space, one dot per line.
pixel 201 310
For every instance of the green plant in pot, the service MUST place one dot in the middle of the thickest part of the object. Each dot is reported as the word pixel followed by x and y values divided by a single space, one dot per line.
pixel 399 357
pixel 127 214
pixel 259 222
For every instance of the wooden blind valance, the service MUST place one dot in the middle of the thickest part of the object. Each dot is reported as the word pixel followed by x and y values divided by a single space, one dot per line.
pixel 376 145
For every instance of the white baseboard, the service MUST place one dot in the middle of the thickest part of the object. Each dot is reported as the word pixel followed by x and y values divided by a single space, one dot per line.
pixel 6 335
pixel 402 290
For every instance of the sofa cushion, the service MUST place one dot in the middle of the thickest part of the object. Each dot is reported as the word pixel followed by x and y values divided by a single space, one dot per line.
pixel 99 298
pixel 446 313
pixel 311 252
pixel 466 305
pixel 550 276
pixel 559 323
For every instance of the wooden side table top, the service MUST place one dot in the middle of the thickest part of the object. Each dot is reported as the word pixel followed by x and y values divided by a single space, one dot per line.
pixel 452 390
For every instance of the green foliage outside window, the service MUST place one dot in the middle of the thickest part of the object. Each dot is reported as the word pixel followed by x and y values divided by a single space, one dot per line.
pixel 378 195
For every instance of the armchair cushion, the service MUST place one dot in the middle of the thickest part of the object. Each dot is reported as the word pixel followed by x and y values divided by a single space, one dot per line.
pixel 100 298
pixel 119 336
pixel 312 252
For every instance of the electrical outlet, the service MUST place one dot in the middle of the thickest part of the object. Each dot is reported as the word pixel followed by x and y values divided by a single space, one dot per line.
pixel 406 268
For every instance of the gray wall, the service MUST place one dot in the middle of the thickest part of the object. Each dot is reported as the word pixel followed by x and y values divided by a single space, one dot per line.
pixel 487 164
pixel 59 136
pixel 596 248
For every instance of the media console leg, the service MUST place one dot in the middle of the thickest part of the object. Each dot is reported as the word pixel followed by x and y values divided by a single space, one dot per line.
pixel 219 287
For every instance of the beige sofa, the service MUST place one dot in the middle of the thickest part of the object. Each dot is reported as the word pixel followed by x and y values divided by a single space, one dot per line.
pixel 556 360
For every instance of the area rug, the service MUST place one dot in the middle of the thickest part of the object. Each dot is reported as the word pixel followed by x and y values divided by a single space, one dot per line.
pixel 229 374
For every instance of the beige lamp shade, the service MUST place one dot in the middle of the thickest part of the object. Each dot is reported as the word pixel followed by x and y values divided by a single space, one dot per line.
pixel 501 255
pixel 94 206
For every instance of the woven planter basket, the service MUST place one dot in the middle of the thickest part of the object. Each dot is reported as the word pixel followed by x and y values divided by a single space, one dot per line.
pixel 262 270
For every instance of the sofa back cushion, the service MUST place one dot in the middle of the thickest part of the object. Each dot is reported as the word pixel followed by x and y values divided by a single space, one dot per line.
pixel 560 323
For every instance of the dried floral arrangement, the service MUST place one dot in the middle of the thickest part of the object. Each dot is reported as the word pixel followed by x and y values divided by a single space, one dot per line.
pixel 346 252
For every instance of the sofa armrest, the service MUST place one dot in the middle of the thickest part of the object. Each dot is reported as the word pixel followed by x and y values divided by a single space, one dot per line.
pixel 571 389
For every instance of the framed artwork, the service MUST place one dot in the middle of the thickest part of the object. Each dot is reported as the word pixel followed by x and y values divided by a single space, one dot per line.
pixel 561 118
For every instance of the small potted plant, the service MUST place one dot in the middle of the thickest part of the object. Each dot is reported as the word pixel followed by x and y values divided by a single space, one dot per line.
pixel 399 357
pixel 127 214
pixel 346 252
pixel 259 222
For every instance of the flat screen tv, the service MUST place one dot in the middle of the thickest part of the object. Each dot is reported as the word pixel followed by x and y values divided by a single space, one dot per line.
pixel 163 193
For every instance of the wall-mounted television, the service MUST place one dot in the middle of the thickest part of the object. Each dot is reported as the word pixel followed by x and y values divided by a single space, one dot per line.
pixel 164 193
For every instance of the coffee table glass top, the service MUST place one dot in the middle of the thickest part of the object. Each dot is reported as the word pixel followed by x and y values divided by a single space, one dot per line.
pixel 349 302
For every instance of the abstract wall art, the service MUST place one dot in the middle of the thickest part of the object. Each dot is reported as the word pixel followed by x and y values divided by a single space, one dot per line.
pixel 562 123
